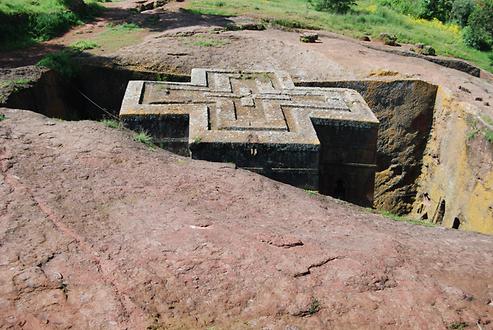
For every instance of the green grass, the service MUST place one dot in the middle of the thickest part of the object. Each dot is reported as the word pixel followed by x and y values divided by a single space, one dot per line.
pixel 311 192
pixel 28 6
pixel 117 36
pixel 471 135
pixel 203 40
pixel 114 37
pixel 112 123
pixel 485 131
pixel 209 43
pixel 487 119
pixel 292 24
pixel 2 117
pixel 61 62
pixel 366 18
pixel 488 135
pixel 82 45
pixel 125 27
pixel 399 218
pixel 26 22
pixel 145 138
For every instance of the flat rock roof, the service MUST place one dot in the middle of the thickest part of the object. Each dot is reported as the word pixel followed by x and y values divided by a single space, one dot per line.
pixel 248 106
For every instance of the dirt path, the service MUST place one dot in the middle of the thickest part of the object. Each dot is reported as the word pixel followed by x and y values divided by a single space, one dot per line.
pixel 97 231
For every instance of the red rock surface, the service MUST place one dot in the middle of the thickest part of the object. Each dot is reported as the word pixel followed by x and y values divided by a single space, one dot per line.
pixel 99 232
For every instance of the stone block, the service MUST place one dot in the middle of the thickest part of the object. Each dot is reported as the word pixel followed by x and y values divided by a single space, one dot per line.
pixel 314 138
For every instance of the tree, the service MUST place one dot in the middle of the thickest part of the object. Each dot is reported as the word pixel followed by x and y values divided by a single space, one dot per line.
pixel 439 9
pixel 479 32
pixel 461 10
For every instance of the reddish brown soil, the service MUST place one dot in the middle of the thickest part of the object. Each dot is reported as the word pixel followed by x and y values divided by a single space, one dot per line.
pixel 99 232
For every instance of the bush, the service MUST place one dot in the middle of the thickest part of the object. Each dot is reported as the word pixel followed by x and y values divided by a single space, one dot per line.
pixel 112 123
pixel 24 22
pixel 461 10
pixel 439 9
pixel 443 10
pixel 408 7
pixel 46 26
pixel 428 9
pixel 479 32
pixel 477 38
pixel 145 138
pixel 334 6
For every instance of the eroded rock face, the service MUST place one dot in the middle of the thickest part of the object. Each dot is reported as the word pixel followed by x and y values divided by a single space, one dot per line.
pixel 98 231
pixel 46 92
pixel 405 111
pixel 456 187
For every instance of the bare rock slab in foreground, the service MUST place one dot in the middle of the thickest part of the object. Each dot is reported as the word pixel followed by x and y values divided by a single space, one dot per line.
pixel 99 232
pixel 315 138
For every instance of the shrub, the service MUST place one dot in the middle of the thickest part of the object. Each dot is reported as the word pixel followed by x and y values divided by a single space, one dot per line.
pixel 145 138
pixel 334 6
pixel 489 136
pixel 48 25
pixel 439 9
pixel 20 29
pixel 112 123
pixel 443 10
pixel 477 38
pixel 292 24
pixel 408 7
pixel 389 39
pixel 461 10
pixel 24 22
pixel 479 32
pixel 314 306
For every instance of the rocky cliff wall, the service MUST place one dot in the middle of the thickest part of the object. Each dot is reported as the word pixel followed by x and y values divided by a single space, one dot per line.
pixel 456 186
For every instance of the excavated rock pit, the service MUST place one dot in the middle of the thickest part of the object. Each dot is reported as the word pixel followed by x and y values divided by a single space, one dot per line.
pixel 404 108
pixel 416 152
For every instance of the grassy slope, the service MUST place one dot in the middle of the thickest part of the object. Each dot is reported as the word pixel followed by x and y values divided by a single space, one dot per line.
pixel 37 6
pixel 24 22
pixel 367 17
pixel 26 6
pixel 118 36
